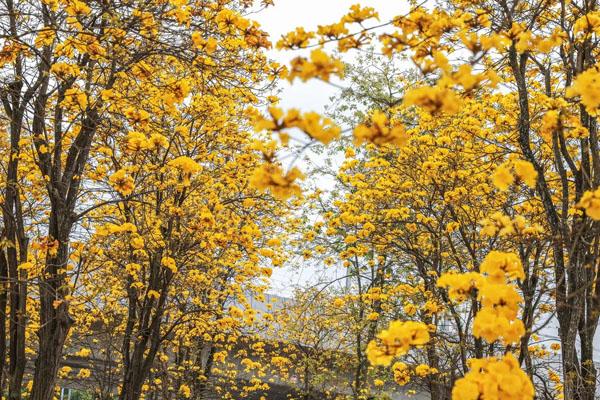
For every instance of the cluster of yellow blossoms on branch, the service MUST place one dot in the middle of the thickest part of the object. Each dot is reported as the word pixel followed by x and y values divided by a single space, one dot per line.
pixel 380 130
pixel 311 123
pixel 396 341
pixel 493 378
pixel 499 299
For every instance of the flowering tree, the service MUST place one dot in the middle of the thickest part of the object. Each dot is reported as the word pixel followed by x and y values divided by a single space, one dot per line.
pixel 526 73
pixel 89 91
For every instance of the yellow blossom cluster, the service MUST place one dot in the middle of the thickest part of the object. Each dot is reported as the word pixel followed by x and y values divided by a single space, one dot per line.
pixel 590 202
pixel 318 65
pixel 494 379
pixel 186 168
pixel 587 24
pixel 499 266
pixel 424 370
pixel 396 341
pixel 401 373
pixel 380 130
pixel 502 225
pixel 311 123
pixel 499 299
pixel 586 86
pixel 434 99
pixel 514 171
pixel 271 177
pixel 122 182
pixel 137 141
pixel 498 315
pixel 300 38
pixel 460 286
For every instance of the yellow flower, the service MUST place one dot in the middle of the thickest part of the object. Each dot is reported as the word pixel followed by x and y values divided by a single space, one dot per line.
pixel 64 70
pixel 75 97
pixel 122 183
pixel 137 242
pixel 135 141
pixel 45 37
pixel 320 65
pixel 338 302
pixel 185 164
pixel 235 312
pixel 423 370
pixel 169 263
pixel 401 373
pixel 270 176
pixel 84 352
pixel 502 178
pixel 358 14
pixel 525 171
pixel 84 373
pixel 590 202
pixel 410 309
pixel 373 316
pixel 460 286
pixel 588 23
pixel 587 86
pixel 133 268
pixel 498 265
pixel 501 298
pixel 26 266
pixel 185 391
pixel 321 129
pixel 497 223
pixel 296 39
pixel 379 130
pixel 77 8
pixel 434 99
pixel 157 141
pixel 497 378
pixel 396 341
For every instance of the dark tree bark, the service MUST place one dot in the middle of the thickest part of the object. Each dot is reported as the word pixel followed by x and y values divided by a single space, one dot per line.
pixel 3 313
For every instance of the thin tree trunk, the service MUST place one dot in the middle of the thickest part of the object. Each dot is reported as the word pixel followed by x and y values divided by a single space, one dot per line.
pixel 3 310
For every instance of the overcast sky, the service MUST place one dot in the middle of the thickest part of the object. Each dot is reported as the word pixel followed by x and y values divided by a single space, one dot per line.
pixel 286 15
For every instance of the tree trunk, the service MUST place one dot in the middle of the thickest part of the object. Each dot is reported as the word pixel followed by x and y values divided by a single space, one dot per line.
pixel 201 385
pixel 3 303
pixel 54 318
pixel 149 339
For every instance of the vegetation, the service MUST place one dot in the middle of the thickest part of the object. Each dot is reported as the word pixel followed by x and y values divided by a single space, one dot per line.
pixel 148 194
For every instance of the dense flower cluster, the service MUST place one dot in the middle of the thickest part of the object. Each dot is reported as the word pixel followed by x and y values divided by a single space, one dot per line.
pixel 380 130
pixel 396 341
pixel 494 379
pixel 590 202
pixel 500 301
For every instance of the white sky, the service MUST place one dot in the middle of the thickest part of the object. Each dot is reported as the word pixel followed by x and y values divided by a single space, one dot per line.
pixel 284 17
